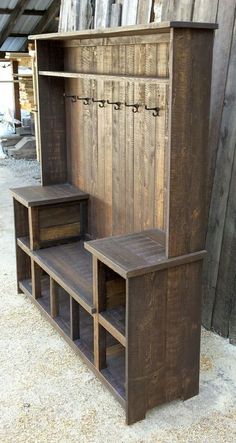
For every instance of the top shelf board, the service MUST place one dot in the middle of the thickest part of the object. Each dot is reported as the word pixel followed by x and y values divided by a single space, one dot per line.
pixel 152 28
pixel 46 195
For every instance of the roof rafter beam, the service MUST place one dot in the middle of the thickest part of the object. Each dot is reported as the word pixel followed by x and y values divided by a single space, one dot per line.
pixel 15 15
pixel 48 17
pixel 8 11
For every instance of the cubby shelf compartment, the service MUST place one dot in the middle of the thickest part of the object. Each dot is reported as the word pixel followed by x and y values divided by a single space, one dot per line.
pixel 69 265
pixel 114 370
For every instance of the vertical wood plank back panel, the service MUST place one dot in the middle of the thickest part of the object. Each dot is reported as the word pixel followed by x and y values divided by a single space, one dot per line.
pixel 118 157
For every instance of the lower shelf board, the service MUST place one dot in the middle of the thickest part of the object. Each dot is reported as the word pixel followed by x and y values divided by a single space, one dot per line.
pixel 113 320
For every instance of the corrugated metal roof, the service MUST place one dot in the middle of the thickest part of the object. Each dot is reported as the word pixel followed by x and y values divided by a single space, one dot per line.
pixel 14 44
pixel 24 25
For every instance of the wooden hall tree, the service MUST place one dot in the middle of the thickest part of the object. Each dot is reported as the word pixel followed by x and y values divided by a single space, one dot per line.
pixel 110 247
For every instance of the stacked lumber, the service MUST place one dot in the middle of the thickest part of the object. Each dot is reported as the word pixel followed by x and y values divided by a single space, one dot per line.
pixel 26 93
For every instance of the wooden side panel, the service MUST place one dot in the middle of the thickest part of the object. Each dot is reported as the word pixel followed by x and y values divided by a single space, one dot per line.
pixel 145 350
pixel 189 152
pixel 51 115
pixel 163 351
pixel 118 156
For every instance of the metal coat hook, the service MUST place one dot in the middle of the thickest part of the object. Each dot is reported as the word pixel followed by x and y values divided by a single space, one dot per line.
pixel 72 97
pixel 101 102
pixel 156 110
pixel 135 107
pixel 117 105
pixel 86 100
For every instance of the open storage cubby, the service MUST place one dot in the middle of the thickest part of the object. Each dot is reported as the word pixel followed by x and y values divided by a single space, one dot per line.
pixel 24 276
pixel 113 366
pixel 85 337
pixel 110 247
pixel 112 303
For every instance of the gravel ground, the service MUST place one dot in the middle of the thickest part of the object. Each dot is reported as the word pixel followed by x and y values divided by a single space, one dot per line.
pixel 47 394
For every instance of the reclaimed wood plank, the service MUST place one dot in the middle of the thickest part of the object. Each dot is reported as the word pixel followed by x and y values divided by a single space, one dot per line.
pixel 102 14
pixel 144 11
pixel 225 288
pixel 129 12
pixel 221 54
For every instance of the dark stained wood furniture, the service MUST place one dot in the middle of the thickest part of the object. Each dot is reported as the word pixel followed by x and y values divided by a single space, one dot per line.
pixel 110 247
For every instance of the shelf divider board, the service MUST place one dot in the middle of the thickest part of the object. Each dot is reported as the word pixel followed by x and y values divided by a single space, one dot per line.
pixel 54 298
pixel 74 319
pixel 107 321
pixel 99 304
pixel 36 274
pixel 34 228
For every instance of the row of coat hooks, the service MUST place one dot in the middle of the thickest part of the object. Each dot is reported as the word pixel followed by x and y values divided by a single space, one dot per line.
pixel 117 105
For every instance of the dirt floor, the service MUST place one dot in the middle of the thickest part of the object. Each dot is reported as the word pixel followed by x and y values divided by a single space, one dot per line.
pixel 47 394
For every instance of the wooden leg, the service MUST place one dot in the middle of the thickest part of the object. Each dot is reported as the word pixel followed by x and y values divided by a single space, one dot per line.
pixel 74 319
pixel 99 296
pixel 54 298
pixel 36 274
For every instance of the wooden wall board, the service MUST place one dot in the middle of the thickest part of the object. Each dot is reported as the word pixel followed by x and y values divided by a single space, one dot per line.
pixel 102 13
pixel 144 11
pixel 205 11
pixel 220 191
pixel 225 288
pixel 129 12
pixel 177 10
